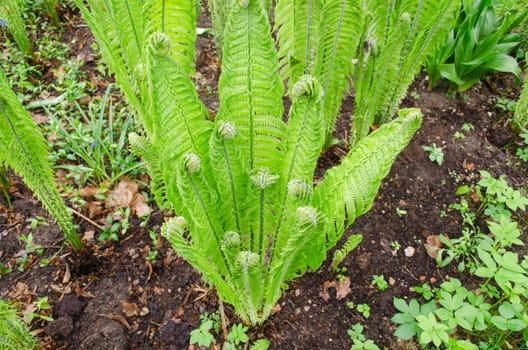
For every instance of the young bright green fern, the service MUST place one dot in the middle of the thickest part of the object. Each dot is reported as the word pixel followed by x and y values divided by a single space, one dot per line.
pixel 24 150
pixel 249 215
pixel 14 334
pixel 10 12
pixel 520 118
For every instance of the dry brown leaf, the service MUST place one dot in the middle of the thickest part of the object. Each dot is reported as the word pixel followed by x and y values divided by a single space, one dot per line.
pixel 432 245
pixel 130 309
pixel 94 208
pixel 89 191
pixel 61 290
pixel 119 319
pixel 341 287
pixel 88 236
pixel 468 166
pixel 67 276
pixel 123 195
pixel 139 205
pixel 21 291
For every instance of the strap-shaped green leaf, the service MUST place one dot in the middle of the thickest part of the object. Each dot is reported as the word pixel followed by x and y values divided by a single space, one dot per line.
pixel 25 150
pixel 348 189
pixel 250 88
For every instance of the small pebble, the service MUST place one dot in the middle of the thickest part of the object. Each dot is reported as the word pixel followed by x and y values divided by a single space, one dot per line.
pixel 409 251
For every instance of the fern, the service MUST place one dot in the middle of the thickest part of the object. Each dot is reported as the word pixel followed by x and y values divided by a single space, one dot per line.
pixel 297 22
pixel 14 334
pixel 520 119
pixel 28 156
pixel 10 11
pixel 340 254
pixel 177 19
pixel 219 10
pixel 341 25
pixel 249 216
pixel 387 67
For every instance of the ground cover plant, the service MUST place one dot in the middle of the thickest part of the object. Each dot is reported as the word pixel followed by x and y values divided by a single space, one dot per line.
pixel 135 292
pixel 480 42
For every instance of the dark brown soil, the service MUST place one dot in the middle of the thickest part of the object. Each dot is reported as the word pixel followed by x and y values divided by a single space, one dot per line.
pixel 91 291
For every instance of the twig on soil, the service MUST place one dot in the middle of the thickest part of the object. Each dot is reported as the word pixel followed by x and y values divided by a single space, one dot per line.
pixel 223 318
pixel 87 219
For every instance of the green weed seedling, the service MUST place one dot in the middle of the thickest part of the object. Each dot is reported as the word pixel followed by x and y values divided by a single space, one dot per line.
pixel 359 341
pixel 522 152
pixel 505 104
pixel 237 338
pixel 39 309
pixel 380 282
pixel 363 309
pixel 436 154
pixel 395 246
pixel 117 224
pixel 467 127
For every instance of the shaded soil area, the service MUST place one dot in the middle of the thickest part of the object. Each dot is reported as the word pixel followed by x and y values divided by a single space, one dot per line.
pixel 110 296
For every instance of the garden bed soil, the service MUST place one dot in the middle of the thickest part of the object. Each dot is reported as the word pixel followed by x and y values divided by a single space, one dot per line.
pixel 109 296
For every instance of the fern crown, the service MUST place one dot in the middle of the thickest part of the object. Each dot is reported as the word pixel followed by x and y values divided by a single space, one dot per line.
pixel 251 215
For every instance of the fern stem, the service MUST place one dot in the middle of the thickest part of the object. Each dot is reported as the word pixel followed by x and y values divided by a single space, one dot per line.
pixel 134 29
pixel 250 93
pixel 308 34
pixel 261 228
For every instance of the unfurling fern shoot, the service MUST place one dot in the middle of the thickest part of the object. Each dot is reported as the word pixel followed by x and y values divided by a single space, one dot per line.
pixel 249 216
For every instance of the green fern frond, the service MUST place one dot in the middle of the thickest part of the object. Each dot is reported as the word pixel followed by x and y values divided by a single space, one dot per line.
pixel 121 38
pixel 431 24
pixel 305 135
pixel 179 118
pixel 348 190
pixel 143 148
pixel 386 67
pixel 250 88
pixel 219 10
pixel 297 22
pixel 10 11
pixel 304 248
pixel 520 118
pixel 200 205
pixel 27 154
pixel 341 29
pixel 247 277
pixel 177 19
pixel 232 180
pixel 14 334
pixel 340 254
pixel 174 230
